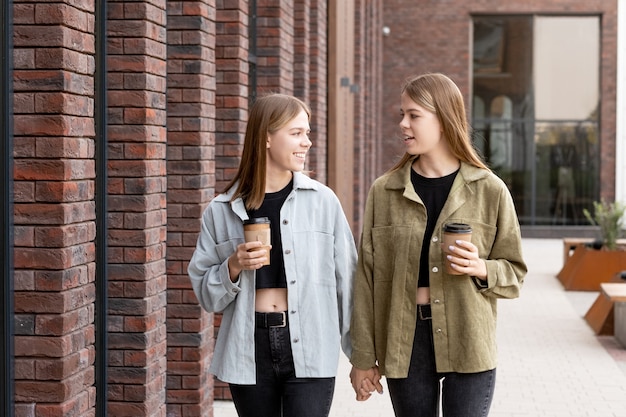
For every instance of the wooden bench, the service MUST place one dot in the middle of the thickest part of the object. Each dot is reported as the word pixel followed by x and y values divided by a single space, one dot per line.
pixel 617 293
pixel 570 243
pixel 601 315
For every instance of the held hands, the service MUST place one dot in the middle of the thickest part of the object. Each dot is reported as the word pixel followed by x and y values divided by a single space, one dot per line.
pixel 365 381
pixel 464 258
pixel 248 256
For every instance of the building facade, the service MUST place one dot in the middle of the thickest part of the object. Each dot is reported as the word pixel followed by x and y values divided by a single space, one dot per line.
pixel 123 120
pixel 540 81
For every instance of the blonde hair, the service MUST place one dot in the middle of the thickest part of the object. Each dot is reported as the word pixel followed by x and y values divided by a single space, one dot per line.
pixel 439 94
pixel 268 114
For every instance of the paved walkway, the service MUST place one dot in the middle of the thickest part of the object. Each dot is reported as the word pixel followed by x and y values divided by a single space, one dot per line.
pixel 550 362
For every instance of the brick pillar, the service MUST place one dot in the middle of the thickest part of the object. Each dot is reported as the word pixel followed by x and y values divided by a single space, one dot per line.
pixel 318 87
pixel 302 49
pixel 275 47
pixel 368 108
pixel 231 101
pixel 191 182
pixel 137 208
pixel 54 209
pixel 231 113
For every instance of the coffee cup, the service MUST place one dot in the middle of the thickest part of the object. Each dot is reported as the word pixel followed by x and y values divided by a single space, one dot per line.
pixel 451 233
pixel 258 229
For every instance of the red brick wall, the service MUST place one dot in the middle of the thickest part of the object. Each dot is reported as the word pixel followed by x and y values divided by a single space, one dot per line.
pixel 137 208
pixel 275 43
pixel 178 90
pixel 191 181
pixel 435 36
pixel 315 84
pixel 231 101
pixel 368 114
pixel 54 209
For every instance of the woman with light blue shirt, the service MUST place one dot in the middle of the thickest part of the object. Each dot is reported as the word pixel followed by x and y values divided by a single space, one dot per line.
pixel 284 323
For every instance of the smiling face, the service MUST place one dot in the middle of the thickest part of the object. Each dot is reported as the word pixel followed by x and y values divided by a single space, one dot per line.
pixel 421 130
pixel 287 147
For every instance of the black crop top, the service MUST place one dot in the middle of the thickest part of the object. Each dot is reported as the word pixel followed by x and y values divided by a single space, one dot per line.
pixel 434 193
pixel 273 275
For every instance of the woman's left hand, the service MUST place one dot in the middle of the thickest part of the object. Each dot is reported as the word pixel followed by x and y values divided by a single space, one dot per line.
pixel 464 258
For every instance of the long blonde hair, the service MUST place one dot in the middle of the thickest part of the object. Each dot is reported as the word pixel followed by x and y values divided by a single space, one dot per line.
pixel 267 115
pixel 439 94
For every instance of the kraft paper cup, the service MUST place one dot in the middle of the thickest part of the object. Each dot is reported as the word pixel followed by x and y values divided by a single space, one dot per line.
pixel 258 229
pixel 451 233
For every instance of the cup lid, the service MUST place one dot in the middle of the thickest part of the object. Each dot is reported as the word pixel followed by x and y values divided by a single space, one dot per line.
pixel 257 220
pixel 457 228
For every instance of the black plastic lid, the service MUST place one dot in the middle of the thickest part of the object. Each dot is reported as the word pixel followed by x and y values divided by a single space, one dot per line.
pixel 457 228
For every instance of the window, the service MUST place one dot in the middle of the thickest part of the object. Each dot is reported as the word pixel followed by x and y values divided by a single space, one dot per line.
pixel 535 111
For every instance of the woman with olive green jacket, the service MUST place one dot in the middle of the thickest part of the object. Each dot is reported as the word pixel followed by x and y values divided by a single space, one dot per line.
pixel 463 311
pixel 430 332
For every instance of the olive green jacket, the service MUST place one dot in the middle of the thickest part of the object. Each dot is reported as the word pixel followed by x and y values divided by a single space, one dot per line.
pixel 464 314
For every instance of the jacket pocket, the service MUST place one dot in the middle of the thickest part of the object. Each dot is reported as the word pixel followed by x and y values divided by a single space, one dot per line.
pixel 225 249
pixel 390 247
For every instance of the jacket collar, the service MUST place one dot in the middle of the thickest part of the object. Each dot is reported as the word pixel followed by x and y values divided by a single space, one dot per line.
pixel 300 182
pixel 401 178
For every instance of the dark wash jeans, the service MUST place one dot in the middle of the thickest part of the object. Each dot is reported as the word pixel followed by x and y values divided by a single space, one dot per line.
pixel 463 395
pixel 278 393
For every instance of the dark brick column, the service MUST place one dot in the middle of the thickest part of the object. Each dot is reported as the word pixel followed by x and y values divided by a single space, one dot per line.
pixel 316 53
pixel 191 184
pixel 368 109
pixel 54 209
pixel 231 111
pixel 137 208
pixel 231 101
pixel 275 43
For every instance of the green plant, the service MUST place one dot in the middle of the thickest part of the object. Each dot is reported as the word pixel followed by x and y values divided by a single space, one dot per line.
pixel 609 217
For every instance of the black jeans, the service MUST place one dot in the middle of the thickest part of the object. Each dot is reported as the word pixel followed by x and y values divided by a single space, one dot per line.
pixel 277 392
pixel 463 395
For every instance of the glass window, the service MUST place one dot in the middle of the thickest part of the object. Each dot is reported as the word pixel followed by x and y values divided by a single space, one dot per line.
pixel 535 111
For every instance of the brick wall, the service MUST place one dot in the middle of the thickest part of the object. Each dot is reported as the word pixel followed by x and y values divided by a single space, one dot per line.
pixel 437 38
pixel 137 208
pixel 231 113
pixel 178 91
pixel 275 46
pixel 368 114
pixel 191 181
pixel 54 209
pixel 318 88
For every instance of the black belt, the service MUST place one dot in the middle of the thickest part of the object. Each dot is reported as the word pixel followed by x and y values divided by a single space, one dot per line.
pixel 423 312
pixel 267 320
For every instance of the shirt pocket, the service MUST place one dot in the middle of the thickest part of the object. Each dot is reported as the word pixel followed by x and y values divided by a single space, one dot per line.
pixel 225 249
pixel 390 248
pixel 315 256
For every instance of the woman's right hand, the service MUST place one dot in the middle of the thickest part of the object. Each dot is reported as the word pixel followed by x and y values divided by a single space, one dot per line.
pixel 248 256
pixel 365 381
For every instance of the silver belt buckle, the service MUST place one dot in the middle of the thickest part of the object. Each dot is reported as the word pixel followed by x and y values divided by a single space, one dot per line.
pixel 284 324
pixel 419 309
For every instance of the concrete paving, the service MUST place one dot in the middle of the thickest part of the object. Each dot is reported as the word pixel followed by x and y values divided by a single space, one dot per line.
pixel 550 361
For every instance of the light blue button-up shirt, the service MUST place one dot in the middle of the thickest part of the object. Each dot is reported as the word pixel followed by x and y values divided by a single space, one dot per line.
pixel 320 259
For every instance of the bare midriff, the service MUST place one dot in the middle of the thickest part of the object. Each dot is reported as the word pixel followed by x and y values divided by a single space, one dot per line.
pixel 270 300
pixel 423 295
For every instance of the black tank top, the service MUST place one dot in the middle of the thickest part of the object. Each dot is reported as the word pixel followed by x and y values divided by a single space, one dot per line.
pixel 434 193
pixel 273 275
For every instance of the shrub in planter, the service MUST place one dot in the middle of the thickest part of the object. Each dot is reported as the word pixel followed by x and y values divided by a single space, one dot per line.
pixel 609 217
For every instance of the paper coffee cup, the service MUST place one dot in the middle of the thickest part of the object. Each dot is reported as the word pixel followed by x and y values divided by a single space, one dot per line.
pixel 451 233
pixel 258 229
